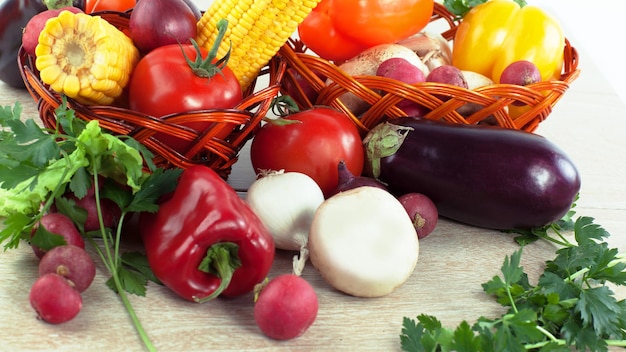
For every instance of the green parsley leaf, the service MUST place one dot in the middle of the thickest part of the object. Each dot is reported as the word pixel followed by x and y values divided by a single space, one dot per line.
pixel 461 7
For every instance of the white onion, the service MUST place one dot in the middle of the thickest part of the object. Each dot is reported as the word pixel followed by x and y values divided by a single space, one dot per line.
pixel 286 203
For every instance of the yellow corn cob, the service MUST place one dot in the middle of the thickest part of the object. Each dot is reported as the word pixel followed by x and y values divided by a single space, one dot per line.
pixel 256 31
pixel 85 58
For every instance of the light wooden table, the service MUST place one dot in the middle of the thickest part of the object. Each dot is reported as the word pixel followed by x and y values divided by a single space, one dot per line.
pixel 588 123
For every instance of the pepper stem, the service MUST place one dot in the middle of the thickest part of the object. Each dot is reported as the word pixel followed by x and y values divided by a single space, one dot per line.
pixel 221 260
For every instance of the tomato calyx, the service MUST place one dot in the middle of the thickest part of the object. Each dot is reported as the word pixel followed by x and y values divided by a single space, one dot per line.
pixel 283 106
pixel 209 67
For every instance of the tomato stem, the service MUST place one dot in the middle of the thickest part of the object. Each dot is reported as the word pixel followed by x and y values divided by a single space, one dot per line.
pixel 209 67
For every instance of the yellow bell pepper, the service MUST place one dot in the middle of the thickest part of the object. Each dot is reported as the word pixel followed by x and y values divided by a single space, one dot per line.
pixel 497 33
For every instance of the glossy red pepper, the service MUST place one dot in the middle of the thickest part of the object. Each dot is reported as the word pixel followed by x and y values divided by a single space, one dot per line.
pixel 205 241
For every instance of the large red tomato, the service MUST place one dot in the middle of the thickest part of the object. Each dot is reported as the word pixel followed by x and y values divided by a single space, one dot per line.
pixel 163 83
pixel 313 145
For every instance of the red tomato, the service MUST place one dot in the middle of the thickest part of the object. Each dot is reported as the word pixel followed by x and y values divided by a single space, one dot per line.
pixel 163 83
pixel 313 146
pixel 337 30
pixel 110 5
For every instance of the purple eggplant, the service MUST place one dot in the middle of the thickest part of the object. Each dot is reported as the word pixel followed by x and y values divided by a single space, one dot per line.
pixel 14 14
pixel 484 176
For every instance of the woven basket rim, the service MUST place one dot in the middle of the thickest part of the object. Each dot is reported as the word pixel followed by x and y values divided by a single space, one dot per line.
pixel 541 97
pixel 215 147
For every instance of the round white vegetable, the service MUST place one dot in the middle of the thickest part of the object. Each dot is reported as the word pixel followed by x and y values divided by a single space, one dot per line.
pixel 286 202
pixel 362 242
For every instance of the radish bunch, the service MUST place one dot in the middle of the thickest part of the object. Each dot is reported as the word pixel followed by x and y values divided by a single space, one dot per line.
pixel 65 271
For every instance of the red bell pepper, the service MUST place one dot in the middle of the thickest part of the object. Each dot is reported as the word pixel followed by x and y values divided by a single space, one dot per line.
pixel 205 241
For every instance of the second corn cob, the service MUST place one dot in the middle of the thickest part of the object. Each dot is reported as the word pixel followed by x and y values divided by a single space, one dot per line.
pixel 85 58
pixel 257 30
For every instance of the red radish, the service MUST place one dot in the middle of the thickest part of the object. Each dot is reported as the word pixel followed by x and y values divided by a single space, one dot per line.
pixel 422 211
pixel 30 35
pixel 155 23
pixel 520 73
pixel 286 307
pixel 54 299
pixel 58 224
pixel 347 180
pixel 71 262
pixel 404 71
pixel 401 70
pixel 447 74
pixel 110 212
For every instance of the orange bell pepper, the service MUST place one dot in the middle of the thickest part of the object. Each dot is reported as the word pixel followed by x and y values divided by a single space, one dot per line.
pixel 496 33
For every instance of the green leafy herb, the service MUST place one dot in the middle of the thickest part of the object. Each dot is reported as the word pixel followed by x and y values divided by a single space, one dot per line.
pixel 39 166
pixel 570 307
pixel 461 7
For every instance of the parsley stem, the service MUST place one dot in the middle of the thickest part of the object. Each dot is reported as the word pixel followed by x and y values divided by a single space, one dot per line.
pixel 112 261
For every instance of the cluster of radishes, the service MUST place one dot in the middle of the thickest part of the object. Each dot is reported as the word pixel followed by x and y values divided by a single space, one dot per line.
pixel 425 57
pixel 65 272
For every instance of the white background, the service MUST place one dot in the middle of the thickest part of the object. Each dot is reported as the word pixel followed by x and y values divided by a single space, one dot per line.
pixel 597 29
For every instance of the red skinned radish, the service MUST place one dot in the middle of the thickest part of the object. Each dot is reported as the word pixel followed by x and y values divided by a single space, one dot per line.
pixel 286 307
pixel 347 180
pixel 154 23
pixel 402 70
pixel 520 73
pixel 58 224
pixel 447 74
pixel 363 243
pixel 422 211
pixel 71 262
pixel 54 299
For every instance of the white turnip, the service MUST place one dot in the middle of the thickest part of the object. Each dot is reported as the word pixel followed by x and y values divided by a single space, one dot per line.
pixel 422 212
pixel 286 307
pixel 363 243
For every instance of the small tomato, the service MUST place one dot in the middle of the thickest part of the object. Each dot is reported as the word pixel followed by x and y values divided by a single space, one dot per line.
pixel 314 144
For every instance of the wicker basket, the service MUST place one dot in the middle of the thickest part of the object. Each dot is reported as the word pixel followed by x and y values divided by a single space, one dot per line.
pixel 205 147
pixel 382 94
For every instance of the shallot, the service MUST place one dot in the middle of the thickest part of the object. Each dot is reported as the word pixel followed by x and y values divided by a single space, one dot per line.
pixel 286 203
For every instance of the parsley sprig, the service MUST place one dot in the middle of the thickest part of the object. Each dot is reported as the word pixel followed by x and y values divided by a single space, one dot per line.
pixel 461 7
pixel 38 166
pixel 570 307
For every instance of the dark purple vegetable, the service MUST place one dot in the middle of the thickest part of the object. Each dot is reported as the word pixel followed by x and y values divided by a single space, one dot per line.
pixel 14 14
pixel 154 23
pixel 484 176
pixel 347 180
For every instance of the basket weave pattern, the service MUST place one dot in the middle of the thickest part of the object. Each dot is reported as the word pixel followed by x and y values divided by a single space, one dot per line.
pixel 205 147
pixel 382 94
